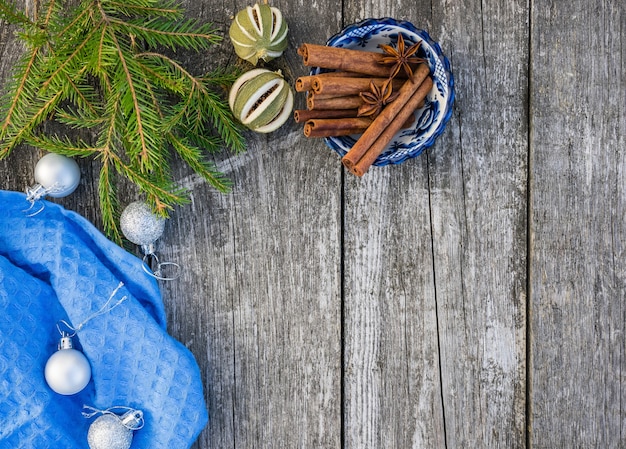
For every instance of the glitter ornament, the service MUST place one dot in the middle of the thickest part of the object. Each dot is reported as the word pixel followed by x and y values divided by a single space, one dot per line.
pixel 56 176
pixel 67 371
pixel 111 431
pixel 142 227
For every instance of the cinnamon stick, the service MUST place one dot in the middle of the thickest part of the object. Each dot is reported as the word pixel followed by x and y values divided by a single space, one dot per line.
pixel 303 83
pixel 336 126
pixel 367 62
pixel 348 102
pixel 364 163
pixel 302 115
pixel 387 115
pixel 347 85
pixel 346 126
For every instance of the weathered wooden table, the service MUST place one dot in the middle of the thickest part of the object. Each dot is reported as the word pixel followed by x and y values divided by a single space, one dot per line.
pixel 472 297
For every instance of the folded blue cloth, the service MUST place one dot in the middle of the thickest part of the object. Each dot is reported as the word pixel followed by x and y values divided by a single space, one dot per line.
pixel 56 266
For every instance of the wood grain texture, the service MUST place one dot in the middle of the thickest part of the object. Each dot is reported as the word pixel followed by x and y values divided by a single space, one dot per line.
pixel 578 209
pixel 478 177
pixel 327 311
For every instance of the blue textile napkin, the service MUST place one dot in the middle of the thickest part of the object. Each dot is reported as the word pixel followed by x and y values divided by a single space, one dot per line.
pixel 56 266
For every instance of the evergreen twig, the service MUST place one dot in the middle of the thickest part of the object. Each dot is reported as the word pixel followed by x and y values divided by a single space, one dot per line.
pixel 98 68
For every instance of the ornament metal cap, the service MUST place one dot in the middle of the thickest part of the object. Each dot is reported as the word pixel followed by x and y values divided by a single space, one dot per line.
pixel 66 342
pixel 133 419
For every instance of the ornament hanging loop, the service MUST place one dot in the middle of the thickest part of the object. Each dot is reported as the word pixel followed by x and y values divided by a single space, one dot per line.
pixel 160 266
pixel 36 193
pixel 131 418
pixel 106 307
pixel 64 334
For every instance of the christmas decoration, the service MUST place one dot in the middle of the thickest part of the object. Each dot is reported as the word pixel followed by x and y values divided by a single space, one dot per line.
pixel 53 267
pixel 67 371
pixel 261 99
pixel 259 32
pixel 111 431
pixel 95 67
pixel 142 227
pixel 56 176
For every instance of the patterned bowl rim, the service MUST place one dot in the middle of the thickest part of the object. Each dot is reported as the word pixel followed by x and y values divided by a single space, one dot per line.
pixel 335 143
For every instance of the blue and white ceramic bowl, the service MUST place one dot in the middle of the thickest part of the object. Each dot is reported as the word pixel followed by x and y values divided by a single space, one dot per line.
pixel 430 119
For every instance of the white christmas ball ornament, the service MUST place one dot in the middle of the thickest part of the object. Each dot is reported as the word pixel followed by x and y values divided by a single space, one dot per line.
pixel 140 225
pixel 67 371
pixel 57 174
pixel 110 431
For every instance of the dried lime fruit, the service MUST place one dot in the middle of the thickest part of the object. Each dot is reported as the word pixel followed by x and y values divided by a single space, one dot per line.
pixel 261 99
pixel 259 32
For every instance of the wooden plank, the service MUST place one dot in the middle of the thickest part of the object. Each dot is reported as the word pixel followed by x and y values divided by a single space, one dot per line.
pixel 578 214
pixel 259 303
pixel 392 381
pixel 478 176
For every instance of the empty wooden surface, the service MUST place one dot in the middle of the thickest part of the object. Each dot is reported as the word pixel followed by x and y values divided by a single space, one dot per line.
pixel 472 297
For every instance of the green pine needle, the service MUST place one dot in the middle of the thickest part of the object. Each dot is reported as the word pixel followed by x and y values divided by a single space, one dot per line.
pixel 99 68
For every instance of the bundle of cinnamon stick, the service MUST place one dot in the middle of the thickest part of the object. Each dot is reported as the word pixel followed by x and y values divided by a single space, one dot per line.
pixel 335 98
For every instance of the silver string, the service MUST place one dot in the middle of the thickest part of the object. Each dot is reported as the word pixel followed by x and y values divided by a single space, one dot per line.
pixel 157 274
pixel 92 411
pixel 104 309
pixel 37 192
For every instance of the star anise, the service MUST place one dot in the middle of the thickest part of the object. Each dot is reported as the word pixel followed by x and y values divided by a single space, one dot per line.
pixel 401 57
pixel 376 98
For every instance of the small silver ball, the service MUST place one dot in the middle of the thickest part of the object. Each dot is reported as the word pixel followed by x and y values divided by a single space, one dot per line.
pixel 58 173
pixel 140 225
pixel 67 371
pixel 108 432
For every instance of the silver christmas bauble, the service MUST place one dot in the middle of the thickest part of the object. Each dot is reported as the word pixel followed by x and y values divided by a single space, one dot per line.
pixel 108 432
pixel 58 174
pixel 67 371
pixel 140 225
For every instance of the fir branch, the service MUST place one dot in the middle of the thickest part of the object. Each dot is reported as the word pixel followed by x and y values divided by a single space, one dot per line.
pixel 200 101
pixel 67 60
pixel 64 146
pixel 135 122
pixel 160 75
pixel 219 114
pixel 78 118
pixel 12 15
pixel 19 89
pixel 169 10
pixel 52 8
pixel 168 193
pixel 73 22
pixel 158 32
pixel 36 115
pixel 109 204
pixel 193 156
pixel 83 69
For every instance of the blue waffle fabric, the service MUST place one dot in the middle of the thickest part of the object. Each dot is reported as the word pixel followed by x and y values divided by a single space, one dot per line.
pixel 57 266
